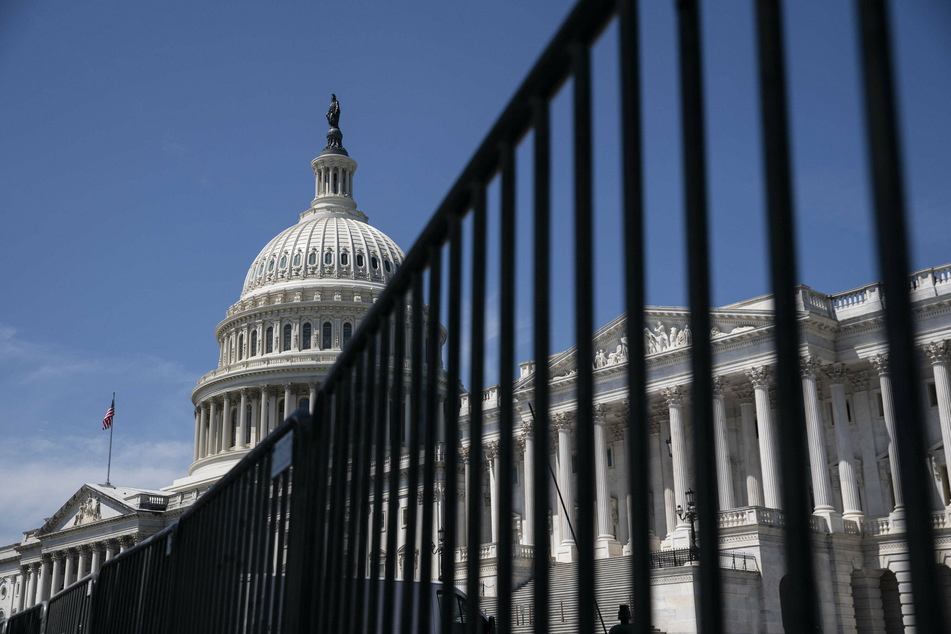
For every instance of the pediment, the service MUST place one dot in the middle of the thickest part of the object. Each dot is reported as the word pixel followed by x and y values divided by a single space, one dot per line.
pixel 88 505
pixel 665 330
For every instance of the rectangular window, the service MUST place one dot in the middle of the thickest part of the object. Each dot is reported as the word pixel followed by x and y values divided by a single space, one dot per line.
pixel 610 457
pixel 382 520
pixel 932 395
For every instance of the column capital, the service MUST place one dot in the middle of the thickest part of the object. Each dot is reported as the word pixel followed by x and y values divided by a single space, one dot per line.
pixel 674 396
pixel 938 352
pixel 287 386
pixel 718 383
pixel 859 381
pixel 744 393
pixel 464 454
pixel 759 376
pixel 519 444
pixel 491 450
pixel 837 373
pixel 244 392
pixel 563 421
pixel 809 366
pixel 600 414
pixel 312 385
pixel 527 427
pixel 880 363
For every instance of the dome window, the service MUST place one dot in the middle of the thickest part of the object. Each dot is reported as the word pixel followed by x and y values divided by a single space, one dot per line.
pixel 327 332
pixel 254 343
pixel 269 337
pixel 305 338
pixel 297 260
pixel 240 347
pixel 360 261
pixel 270 266
pixel 344 259
pixel 347 333
pixel 374 262
pixel 328 258
pixel 312 258
pixel 287 338
pixel 386 265
pixel 283 261
pixel 261 270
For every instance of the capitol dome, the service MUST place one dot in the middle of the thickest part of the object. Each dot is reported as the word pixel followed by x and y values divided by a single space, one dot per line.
pixel 303 298
pixel 326 245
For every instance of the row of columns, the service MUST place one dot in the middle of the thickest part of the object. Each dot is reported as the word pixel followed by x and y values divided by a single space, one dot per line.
pixel 333 180
pixel 40 580
pixel 213 417
pixel 761 447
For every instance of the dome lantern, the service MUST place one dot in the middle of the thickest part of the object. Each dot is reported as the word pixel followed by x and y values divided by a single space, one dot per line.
pixel 333 169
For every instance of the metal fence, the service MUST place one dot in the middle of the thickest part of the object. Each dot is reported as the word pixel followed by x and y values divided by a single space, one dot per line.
pixel 250 556
pixel 70 609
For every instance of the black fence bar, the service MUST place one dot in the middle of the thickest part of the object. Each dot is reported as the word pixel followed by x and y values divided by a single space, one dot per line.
pixel 381 387
pixel 453 363
pixel 584 327
pixel 370 422
pixel 889 200
pixel 353 572
pixel 783 271
pixel 698 261
pixel 541 345
pixel 69 611
pixel 636 428
pixel 396 411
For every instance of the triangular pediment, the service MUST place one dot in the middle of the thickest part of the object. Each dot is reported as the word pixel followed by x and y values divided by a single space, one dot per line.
pixel 89 505
pixel 665 330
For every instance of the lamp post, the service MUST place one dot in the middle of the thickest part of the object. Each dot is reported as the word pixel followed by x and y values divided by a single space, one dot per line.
pixel 689 515
pixel 437 550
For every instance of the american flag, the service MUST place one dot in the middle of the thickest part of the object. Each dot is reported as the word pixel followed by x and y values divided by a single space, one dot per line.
pixel 107 420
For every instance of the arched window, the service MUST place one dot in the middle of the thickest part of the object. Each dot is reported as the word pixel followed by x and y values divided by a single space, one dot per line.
pixel 374 262
pixel 386 265
pixel 287 338
pixel 240 347
pixel 254 343
pixel 297 259
pixel 347 333
pixel 312 258
pixel 270 339
pixel 328 258
pixel 328 330
pixel 360 260
pixel 344 259
pixel 305 338
pixel 234 426
pixel 283 261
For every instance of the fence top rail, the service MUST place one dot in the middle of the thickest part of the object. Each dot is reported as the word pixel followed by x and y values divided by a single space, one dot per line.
pixel 582 26
pixel 90 578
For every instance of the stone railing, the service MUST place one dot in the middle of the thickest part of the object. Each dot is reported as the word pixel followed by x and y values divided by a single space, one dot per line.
pixel 275 361
pixel 877 526
pixel 149 502
pixel 491 552
pixel 940 520
pixel 751 516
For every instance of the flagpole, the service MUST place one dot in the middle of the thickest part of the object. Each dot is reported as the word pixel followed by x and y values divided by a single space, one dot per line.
pixel 109 467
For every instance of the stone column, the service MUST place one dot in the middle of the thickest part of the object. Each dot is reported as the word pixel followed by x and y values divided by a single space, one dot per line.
pixel 562 423
pixel 241 434
pixel 272 411
pixel 31 586
pixel 110 549
pixel 866 438
pixel 203 436
pixel 81 565
pixel 880 363
pixel 769 457
pixel 654 462
pixel 254 422
pixel 42 589
pixel 96 558
pixel 226 428
pixel 493 463
pixel 606 545
pixel 263 423
pixel 662 412
pixel 678 446
pixel 69 571
pixel 754 487
pixel 196 454
pixel 21 596
pixel 818 460
pixel 940 353
pixel 528 482
pixel 57 581
pixel 311 396
pixel 213 427
pixel 464 513
pixel 848 482
pixel 722 445
pixel 288 407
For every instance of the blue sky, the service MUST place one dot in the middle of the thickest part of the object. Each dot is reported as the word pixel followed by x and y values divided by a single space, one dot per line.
pixel 150 150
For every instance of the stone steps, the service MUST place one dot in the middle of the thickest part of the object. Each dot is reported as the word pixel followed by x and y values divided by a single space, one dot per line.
pixel 613 588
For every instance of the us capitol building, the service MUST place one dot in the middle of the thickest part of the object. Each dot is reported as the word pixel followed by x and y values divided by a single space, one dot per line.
pixel 307 290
